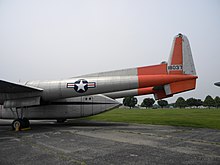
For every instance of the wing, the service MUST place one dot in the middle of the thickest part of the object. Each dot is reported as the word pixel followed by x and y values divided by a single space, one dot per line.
pixel 9 87
pixel 16 95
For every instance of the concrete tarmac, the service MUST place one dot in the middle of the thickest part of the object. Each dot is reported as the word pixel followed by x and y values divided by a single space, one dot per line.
pixel 89 142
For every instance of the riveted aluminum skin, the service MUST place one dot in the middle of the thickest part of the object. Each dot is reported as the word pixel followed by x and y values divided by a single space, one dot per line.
pixel 58 89
pixel 121 94
pixel 122 72
pixel 66 108
pixel 78 96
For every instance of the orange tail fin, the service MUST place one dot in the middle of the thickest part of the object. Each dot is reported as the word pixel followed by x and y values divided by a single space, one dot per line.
pixel 180 62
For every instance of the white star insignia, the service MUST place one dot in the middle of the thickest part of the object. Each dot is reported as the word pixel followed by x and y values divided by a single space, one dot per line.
pixel 81 85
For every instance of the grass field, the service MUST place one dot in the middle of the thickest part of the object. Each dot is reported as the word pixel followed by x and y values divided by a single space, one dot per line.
pixel 204 118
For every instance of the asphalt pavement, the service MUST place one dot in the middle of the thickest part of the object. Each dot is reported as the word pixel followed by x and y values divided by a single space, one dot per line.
pixel 89 142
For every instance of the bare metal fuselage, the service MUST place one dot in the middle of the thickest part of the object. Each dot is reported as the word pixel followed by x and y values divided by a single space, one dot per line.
pixel 95 93
pixel 64 108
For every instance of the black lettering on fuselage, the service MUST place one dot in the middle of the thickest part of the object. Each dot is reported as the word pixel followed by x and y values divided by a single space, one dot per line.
pixel 175 67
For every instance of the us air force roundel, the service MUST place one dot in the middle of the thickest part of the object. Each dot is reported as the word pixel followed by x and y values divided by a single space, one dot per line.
pixel 81 85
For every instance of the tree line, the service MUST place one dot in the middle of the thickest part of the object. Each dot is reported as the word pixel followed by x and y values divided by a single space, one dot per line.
pixel 180 102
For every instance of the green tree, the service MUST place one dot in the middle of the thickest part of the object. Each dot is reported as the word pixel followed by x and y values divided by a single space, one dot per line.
pixel 147 102
pixel 217 102
pixel 191 102
pixel 209 101
pixel 180 102
pixel 199 102
pixel 194 102
pixel 162 103
pixel 130 101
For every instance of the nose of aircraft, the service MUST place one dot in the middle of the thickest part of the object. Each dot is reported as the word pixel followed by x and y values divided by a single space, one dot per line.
pixel 217 84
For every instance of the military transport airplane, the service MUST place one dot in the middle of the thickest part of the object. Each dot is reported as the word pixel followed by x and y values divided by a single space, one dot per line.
pixel 96 93
pixel 217 84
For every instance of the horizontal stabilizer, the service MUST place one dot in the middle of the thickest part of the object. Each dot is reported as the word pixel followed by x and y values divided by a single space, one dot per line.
pixel 160 94
pixel 173 88
pixel 182 86
pixel 9 87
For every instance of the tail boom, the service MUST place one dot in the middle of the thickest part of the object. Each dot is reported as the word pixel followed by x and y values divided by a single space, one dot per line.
pixel 176 76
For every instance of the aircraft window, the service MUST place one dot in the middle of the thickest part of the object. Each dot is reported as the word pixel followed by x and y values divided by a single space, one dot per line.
pixel 90 98
pixel 85 98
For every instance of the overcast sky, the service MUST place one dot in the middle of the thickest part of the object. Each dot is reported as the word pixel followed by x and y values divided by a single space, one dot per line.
pixel 54 39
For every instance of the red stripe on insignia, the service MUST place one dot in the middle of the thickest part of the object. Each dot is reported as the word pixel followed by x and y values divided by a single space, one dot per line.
pixel 70 85
pixel 92 84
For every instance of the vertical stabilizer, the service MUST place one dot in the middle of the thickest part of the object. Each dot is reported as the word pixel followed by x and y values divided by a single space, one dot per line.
pixel 181 60
pixel 180 63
